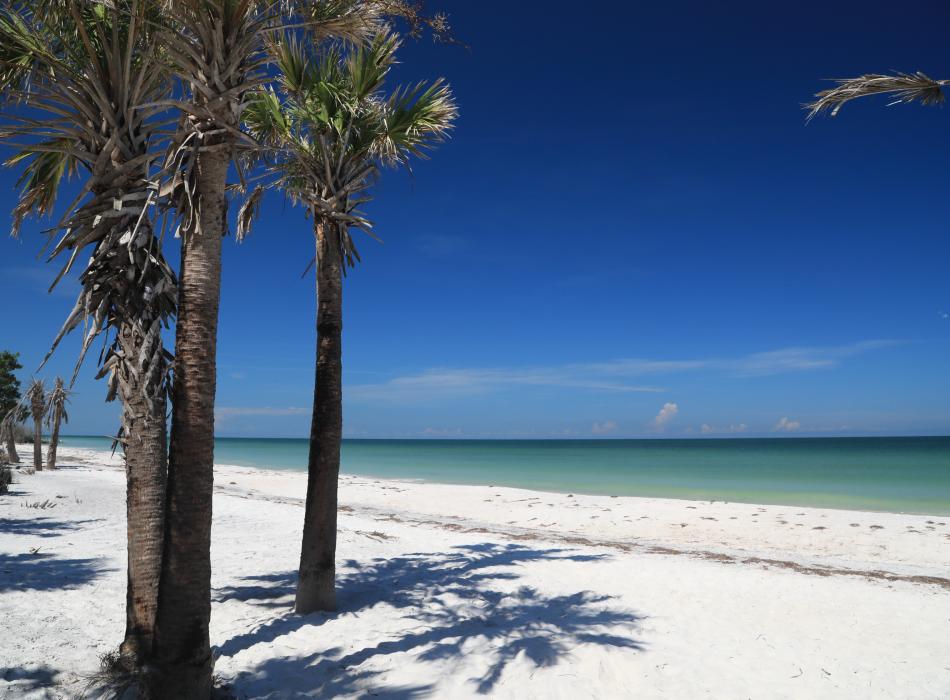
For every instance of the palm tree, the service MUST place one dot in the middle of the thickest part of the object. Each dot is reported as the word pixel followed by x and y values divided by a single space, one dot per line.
pixel 8 430
pixel 904 87
pixel 85 70
pixel 217 50
pixel 36 395
pixel 55 414
pixel 332 129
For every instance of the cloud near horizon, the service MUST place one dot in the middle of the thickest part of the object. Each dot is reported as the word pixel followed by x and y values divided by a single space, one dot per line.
pixel 603 428
pixel 610 377
pixel 785 425
pixel 666 414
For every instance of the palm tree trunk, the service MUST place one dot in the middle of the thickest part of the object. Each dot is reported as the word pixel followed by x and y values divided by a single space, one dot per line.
pixel 10 439
pixel 315 588
pixel 37 410
pixel 144 429
pixel 54 437
pixel 183 650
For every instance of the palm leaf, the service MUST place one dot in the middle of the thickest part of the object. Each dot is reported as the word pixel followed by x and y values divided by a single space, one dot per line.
pixel 904 87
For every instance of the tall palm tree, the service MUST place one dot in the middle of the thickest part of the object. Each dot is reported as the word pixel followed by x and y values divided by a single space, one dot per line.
pixel 332 129
pixel 85 69
pixel 904 87
pixel 36 395
pixel 55 414
pixel 217 50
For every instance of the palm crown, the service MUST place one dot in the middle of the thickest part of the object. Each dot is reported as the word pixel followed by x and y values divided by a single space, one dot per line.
pixel 330 126
pixel 86 72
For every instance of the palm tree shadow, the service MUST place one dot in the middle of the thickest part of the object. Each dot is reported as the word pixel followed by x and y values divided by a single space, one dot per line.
pixel 18 681
pixel 46 572
pixel 451 597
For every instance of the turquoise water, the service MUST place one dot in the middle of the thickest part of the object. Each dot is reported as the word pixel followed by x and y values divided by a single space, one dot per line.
pixel 890 474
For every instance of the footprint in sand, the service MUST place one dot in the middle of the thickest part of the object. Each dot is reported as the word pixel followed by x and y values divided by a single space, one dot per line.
pixel 819 527
pixel 877 527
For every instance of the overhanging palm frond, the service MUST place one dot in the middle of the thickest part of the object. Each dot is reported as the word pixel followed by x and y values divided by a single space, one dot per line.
pixel 905 87
pixel 47 164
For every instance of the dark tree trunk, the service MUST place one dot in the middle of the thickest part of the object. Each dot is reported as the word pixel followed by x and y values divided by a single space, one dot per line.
pixel 12 455
pixel 145 433
pixel 182 650
pixel 315 588
pixel 37 408
pixel 54 429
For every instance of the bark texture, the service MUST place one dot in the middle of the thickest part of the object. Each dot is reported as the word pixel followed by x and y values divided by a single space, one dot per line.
pixel 37 407
pixel 144 429
pixel 12 455
pixel 316 585
pixel 182 650
pixel 55 415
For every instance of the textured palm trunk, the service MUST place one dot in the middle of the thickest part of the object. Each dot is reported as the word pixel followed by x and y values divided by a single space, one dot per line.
pixel 37 406
pixel 145 432
pixel 316 585
pixel 12 455
pixel 54 437
pixel 183 651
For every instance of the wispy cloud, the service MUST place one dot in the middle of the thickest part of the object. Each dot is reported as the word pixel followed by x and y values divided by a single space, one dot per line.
pixel 707 429
pixel 616 376
pixel 666 414
pixel 785 425
pixel 604 428
pixel 436 383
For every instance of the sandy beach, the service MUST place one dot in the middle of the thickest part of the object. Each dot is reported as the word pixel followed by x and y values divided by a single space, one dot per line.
pixel 474 591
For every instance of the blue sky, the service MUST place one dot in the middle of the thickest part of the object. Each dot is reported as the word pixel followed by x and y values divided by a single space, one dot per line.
pixel 632 233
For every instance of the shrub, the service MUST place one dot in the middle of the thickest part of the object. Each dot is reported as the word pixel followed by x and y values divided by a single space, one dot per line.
pixel 6 478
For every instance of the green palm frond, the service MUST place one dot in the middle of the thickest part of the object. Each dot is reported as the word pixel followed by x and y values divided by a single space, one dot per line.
pixel 904 87
pixel 331 126
pixel 47 164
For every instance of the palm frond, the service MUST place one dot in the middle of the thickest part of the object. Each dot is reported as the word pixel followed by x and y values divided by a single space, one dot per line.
pixel 905 87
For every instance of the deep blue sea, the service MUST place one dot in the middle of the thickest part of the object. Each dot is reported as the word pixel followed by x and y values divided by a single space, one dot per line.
pixel 900 474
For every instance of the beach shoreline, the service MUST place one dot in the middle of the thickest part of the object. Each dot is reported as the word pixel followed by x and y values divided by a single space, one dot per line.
pixel 809 580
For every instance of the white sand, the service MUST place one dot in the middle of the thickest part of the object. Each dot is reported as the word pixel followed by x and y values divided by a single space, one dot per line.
pixel 468 591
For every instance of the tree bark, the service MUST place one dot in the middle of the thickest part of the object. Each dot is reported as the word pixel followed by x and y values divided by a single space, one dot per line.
pixel 12 455
pixel 37 408
pixel 183 651
pixel 145 433
pixel 316 585
pixel 54 432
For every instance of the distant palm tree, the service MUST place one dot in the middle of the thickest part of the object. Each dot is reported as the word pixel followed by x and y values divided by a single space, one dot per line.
pixel 904 87
pixel 332 128
pixel 55 414
pixel 36 395
pixel 86 71
pixel 8 425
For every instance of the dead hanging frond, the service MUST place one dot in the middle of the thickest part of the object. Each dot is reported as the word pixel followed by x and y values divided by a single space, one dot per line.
pixel 904 87
pixel 249 212
pixel 56 402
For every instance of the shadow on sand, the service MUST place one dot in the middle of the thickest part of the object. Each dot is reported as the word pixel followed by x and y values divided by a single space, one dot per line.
pixel 46 572
pixel 450 607
pixel 42 526
pixel 22 680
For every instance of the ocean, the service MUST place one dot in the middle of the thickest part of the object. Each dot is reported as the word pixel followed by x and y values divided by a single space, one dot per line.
pixel 896 474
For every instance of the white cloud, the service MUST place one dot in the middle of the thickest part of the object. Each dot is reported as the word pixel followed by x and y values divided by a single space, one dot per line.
pixel 603 428
pixel 666 414
pixel 707 429
pixel 787 426
pixel 440 432
pixel 616 376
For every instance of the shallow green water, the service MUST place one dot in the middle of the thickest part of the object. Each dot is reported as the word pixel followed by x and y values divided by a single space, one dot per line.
pixel 890 474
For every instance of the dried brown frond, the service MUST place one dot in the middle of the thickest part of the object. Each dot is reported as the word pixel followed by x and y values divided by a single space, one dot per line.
pixel 905 87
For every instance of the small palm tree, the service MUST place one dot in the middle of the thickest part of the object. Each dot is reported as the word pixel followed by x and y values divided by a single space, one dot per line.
pixel 36 395
pixel 903 87
pixel 332 128
pixel 86 71
pixel 55 415
pixel 8 424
